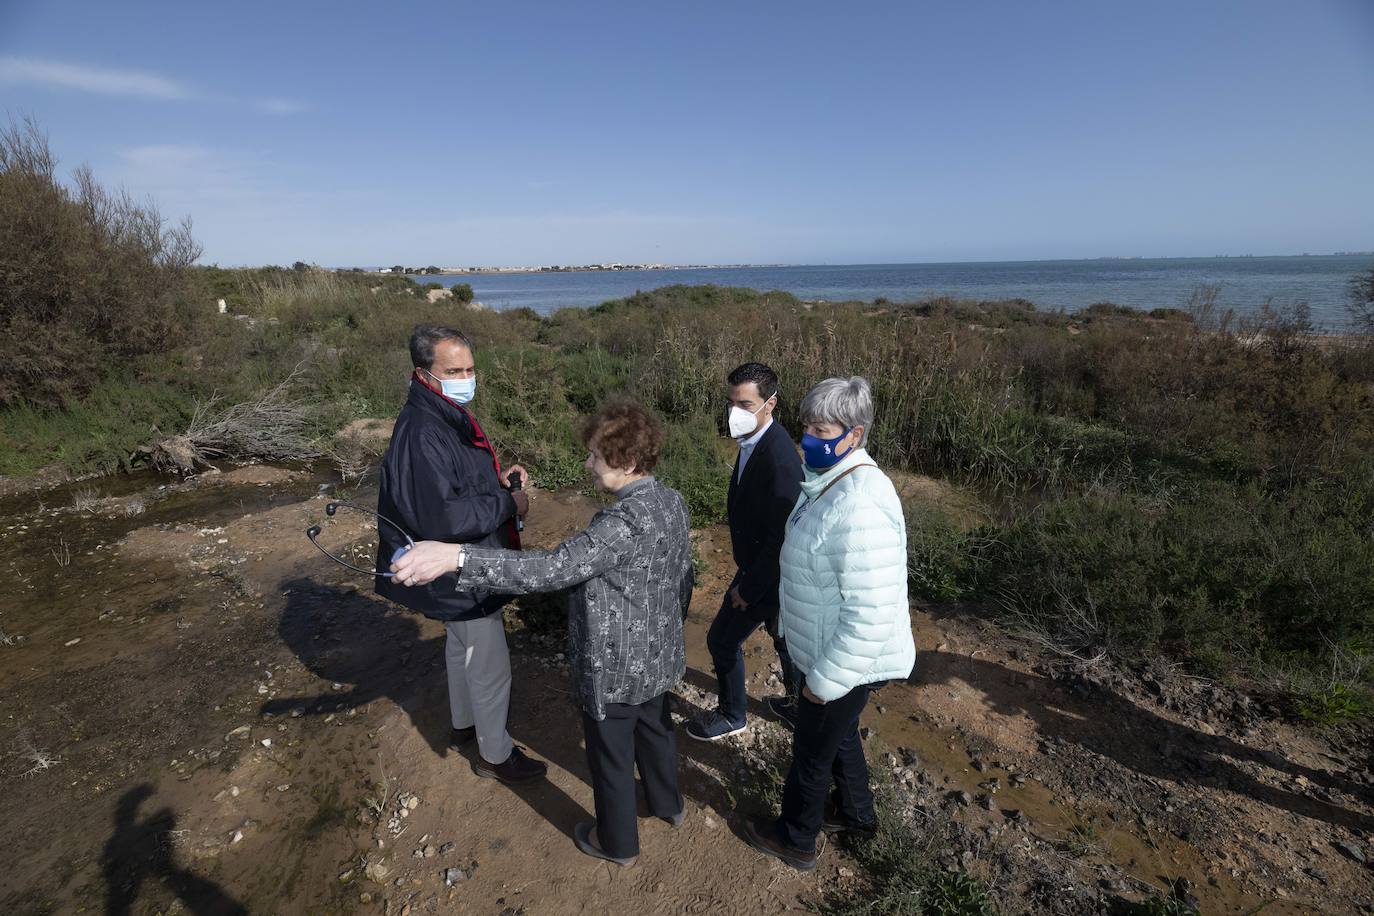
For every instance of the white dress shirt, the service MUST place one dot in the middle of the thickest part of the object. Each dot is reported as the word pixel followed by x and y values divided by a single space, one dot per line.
pixel 746 447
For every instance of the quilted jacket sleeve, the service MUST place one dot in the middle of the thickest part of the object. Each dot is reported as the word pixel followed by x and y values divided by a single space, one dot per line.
pixel 866 551
pixel 605 544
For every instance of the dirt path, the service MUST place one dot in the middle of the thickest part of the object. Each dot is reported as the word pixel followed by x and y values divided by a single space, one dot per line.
pixel 231 723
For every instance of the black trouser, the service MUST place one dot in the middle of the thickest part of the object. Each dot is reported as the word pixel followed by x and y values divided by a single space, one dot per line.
pixel 631 736
pixel 826 749
pixel 725 641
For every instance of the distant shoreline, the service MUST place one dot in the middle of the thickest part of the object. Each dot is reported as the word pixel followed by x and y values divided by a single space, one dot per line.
pixel 619 268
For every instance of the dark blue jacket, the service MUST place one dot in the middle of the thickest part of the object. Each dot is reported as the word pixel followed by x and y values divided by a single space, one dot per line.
pixel 758 505
pixel 439 485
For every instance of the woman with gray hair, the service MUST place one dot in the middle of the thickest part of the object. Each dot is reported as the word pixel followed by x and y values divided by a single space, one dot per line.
pixel 844 615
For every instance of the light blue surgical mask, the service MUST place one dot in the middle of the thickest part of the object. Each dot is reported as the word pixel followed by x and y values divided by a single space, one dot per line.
pixel 461 390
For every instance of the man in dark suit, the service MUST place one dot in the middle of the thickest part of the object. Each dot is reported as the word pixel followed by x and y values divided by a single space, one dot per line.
pixel 763 491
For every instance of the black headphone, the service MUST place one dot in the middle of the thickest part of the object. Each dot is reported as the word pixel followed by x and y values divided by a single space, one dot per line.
pixel 330 508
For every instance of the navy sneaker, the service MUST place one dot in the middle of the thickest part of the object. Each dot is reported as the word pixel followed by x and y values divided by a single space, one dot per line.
pixel 713 728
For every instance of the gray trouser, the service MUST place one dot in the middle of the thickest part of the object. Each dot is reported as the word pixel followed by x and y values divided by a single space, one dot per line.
pixel 479 682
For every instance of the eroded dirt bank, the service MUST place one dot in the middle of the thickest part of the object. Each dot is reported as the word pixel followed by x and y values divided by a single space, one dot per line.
pixel 202 714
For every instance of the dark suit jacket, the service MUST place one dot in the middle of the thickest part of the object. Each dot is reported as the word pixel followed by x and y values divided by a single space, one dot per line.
pixel 758 505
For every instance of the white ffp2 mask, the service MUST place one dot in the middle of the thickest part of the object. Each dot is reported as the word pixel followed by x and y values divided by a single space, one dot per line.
pixel 742 422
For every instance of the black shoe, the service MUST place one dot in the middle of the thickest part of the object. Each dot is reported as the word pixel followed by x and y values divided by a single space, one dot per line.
pixel 516 768
pixel 835 822
pixel 762 836
pixel 582 836
pixel 461 736
pixel 785 708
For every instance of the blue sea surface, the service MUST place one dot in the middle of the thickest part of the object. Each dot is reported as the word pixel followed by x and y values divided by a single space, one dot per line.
pixel 1244 284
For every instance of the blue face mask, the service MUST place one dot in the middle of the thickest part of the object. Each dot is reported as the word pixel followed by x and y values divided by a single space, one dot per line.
pixel 461 390
pixel 820 453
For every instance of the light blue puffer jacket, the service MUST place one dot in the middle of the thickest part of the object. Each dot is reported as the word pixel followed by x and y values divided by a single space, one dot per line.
pixel 844 611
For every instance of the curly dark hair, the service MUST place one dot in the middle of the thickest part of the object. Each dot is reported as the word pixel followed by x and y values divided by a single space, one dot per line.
pixel 626 434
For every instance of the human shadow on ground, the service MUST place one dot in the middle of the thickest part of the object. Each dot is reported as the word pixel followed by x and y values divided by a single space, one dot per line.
pixel 140 849
pixel 1108 724
pixel 376 651
pixel 371 648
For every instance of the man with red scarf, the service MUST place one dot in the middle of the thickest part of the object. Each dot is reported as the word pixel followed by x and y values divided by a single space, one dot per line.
pixel 441 481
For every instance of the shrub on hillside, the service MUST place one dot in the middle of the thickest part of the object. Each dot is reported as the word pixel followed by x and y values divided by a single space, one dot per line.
pixel 90 276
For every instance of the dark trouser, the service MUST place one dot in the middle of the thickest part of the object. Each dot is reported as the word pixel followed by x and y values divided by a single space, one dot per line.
pixel 826 749
pixel 725 640
pixel 631 736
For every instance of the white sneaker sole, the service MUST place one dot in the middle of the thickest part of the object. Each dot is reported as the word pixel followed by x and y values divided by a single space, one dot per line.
pixel 696 737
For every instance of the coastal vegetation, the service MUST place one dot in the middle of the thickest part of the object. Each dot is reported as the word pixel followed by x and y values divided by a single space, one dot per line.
pixel 1176 485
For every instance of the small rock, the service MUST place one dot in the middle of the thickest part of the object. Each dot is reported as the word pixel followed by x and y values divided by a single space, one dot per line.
pixel 1115 885
pixel 234 791
pixel 710 822
pixel 345 874
pixel 412 803
pixel 72 642
pixel 988 802
pixel 1350 851
pixel 241 732
pixel 266 742
pixel 237 837
pixel 445 849
pixel 453 876
pixel 963 798
pixel 284 787
pixel 429 851
pixel 364 897
pixel 846 872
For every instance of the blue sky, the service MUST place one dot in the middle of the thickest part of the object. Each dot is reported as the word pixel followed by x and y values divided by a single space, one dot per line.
pixel 522 133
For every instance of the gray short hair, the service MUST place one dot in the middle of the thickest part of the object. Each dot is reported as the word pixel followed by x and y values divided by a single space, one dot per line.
pixel 844 401
pixel 422 343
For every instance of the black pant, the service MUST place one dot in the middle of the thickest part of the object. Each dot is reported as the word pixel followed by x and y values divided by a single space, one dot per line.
pixel 826 749
pixel 725 641
pixel 631 736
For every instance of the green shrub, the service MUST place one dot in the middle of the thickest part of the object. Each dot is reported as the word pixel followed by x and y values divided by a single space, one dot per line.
pixel 91 278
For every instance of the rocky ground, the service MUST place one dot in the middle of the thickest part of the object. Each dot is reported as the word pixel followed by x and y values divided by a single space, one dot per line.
pixel 202 714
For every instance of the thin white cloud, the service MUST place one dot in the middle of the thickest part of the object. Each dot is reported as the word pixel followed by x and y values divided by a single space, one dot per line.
pixel 127 83
pixel 90 79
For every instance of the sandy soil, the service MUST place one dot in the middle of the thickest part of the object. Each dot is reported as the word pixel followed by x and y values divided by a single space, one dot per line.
pixel 202 714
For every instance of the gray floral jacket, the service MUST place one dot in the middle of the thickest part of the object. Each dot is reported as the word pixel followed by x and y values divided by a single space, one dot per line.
pixel 630 575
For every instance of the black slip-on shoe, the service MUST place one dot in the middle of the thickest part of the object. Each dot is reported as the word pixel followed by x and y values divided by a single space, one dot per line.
pixel 582 836
pixel 762 836
pixel 516 768
pixel 462 736
pixel 785 708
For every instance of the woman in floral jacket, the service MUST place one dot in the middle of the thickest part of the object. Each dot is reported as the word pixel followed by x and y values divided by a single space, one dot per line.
pixel 630 576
